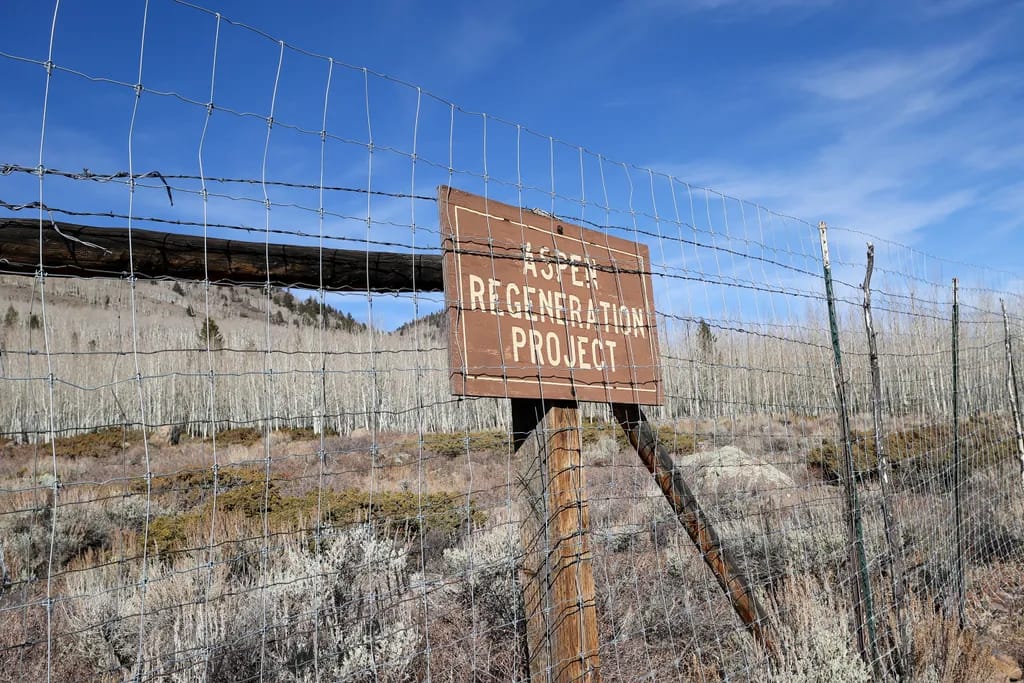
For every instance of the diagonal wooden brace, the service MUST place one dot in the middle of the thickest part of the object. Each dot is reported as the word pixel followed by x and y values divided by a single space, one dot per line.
pixel 681 498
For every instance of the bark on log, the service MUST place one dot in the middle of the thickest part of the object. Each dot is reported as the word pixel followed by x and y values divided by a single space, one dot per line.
pixel 86 251
pixel 732 581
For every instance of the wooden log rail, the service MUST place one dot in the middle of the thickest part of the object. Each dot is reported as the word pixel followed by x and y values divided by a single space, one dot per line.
pixel 86 251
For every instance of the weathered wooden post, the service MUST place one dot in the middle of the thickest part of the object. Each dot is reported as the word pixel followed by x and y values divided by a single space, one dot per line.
pixel 558 581
pixel 659 463
pixel 521 290
pixel 958 553
pixel 897 575
pixel 860 580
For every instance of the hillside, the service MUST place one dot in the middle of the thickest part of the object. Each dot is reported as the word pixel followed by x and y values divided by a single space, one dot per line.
pixel 176 304
pixel 94 330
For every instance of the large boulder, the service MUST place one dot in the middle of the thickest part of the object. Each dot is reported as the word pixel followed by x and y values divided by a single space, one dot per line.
pixel 360 434
pixel 1005 669
pixel 728 471
pixel 166 435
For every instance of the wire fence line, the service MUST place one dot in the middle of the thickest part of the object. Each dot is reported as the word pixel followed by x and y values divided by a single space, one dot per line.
pixel 207 481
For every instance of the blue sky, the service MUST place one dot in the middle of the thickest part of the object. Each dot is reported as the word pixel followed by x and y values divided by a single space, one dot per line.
pixel 902 120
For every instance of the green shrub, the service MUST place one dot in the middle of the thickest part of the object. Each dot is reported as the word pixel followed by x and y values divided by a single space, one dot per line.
pixel 239 436
pixel 676 442
pixel 452 444
pixel 442 512
pixel 98 444
pixel 191 487
pixel 497 441
pixel 169 532
pixel 244 492
pixel 919 454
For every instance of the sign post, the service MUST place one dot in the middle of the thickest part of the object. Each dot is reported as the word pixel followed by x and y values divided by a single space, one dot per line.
pixel 547 314
pixel 558 582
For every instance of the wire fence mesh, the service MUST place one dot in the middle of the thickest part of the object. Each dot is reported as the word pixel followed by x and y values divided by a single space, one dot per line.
pixel 203 480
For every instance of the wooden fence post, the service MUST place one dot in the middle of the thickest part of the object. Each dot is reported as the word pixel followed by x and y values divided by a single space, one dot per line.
pixel 1011 388
pixel 897 575
pixel 557 576
pixel 860 581
pixel 957 465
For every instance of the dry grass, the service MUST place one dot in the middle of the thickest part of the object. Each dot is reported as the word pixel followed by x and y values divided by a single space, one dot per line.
pixel 439 486
pixel 943 652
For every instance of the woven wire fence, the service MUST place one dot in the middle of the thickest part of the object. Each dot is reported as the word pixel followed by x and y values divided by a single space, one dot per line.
pixel 202 480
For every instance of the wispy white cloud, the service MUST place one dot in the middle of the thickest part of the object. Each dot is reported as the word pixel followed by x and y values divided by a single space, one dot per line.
pixel 905 139
pixel 479 36
pixel 756 5
pixel 740 6
pixel 945 8
pixel 876 74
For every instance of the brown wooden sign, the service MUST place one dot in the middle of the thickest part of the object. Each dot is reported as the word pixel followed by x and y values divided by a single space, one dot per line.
pixel 542 308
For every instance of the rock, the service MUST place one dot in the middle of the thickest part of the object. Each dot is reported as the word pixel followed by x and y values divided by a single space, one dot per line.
pixel 167 435
pixel 1005 668
pixel 360 434
pixel 728 470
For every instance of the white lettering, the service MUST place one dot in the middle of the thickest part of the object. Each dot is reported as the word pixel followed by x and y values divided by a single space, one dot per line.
pixel 591 315
pixel 574 310
pixel 544 304
pixel 528 292
pixel 610 345
pixel 535 343
pixel 559 304
pixel 563 263
pixel 594 346
pixel 514 307
pixel 554 348
pixel 492 296
pixel 476 293
pixel 575 271
pixel 639 323
pixel 529 265
pixel 548 272
pixel 518 341
pixel 581 353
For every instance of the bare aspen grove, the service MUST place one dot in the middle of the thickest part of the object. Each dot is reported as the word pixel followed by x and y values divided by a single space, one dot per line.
pixel 248 460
